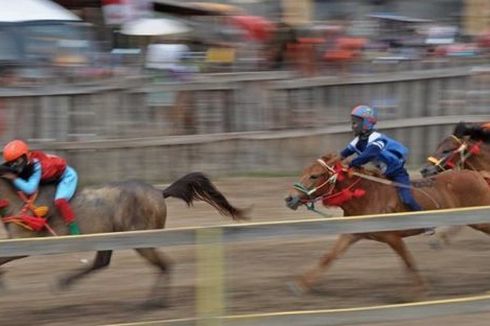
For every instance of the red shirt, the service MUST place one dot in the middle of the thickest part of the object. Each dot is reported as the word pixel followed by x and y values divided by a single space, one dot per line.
pixel 52 166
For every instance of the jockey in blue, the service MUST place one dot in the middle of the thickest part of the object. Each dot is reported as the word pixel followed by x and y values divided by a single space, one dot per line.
pixel 388 155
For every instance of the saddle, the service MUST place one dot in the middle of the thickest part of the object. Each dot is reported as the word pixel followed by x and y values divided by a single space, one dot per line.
pixel 422 183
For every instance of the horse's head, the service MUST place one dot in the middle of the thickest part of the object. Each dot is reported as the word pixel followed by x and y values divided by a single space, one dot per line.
pixel 451 153
pixel 316 181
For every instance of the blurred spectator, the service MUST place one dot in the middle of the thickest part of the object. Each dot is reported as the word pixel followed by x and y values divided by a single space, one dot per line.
pixel 281 41
pixel 483 41
pixel 166 56
pixel 169 58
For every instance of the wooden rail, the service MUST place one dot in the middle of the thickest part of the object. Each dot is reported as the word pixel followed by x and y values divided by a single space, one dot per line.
pixel 210 296
pixel 244 231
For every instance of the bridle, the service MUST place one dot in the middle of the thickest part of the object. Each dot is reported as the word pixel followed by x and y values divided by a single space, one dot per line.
pixel 311 192
pixel 449 161
pixel 335 174
pixel 330 182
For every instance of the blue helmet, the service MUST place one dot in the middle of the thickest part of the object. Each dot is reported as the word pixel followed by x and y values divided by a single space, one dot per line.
pixel 368 116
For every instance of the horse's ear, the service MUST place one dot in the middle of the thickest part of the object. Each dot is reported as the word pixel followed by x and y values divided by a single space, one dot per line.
pixel 460 129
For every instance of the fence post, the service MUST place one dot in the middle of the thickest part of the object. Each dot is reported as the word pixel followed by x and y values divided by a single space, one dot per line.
pixel 210 303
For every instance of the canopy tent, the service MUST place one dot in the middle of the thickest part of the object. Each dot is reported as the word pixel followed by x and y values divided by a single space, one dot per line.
pixel 195 8
pixel 34 10
pixel 178 8
pixel 154 26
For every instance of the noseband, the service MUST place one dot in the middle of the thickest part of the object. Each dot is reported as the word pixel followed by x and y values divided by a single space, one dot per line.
pixel 331 181
pixel 446 162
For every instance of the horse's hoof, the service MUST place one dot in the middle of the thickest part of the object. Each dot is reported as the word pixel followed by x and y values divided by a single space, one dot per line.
pixel 62 285
pixel 296 288
pixel 3 287
pixel 436 244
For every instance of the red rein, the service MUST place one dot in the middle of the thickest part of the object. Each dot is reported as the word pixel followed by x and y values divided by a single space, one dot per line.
pixel 344 195
pixel 473 150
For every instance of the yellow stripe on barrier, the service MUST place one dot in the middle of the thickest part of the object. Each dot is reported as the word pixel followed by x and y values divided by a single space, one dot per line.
pixel 312 312
pixel 210 302
pixel 357 309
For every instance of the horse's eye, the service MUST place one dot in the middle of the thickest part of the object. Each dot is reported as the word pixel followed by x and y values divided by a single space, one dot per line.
pixel 314 177
pixel 447 151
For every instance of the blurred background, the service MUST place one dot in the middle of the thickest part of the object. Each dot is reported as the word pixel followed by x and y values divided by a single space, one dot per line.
pixel 248 92
pixel 222 86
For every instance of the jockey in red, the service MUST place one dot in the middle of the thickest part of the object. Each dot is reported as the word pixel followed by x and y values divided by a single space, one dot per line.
pixel 33 168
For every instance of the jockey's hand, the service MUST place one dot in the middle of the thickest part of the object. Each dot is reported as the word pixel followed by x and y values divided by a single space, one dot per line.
pixel 9 176
pixel 350 172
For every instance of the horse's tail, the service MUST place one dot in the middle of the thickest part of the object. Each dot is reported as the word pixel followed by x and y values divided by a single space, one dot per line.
pixel 196 186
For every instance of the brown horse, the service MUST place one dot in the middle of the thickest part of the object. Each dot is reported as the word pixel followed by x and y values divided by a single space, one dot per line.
pixel 117 207
pixel 368 193
pixel 467 148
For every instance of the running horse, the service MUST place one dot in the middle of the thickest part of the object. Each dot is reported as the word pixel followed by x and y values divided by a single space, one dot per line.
pixel 467 148
pixel 360 192
pixel 113 207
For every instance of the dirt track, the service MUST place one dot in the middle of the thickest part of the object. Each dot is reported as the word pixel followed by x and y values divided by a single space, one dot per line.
pixel 256 273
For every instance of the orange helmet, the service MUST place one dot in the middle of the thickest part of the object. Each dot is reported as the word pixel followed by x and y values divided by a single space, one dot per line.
pixel 15 149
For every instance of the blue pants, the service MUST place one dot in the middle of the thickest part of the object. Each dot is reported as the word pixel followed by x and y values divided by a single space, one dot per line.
pixel 401 176
pixel 67 184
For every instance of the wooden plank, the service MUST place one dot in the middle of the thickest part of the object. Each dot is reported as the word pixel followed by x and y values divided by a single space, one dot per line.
pixel 255 135
pixel 370 79
pixel 246 231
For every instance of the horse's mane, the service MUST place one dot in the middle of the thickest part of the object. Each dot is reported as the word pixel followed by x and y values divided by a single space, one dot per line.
pixel 371 172
pixel 476 131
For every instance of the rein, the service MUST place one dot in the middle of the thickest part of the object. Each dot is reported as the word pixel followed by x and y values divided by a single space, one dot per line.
pixel 332 180
pixel 464 151
pixel 396 184
pixel 31 223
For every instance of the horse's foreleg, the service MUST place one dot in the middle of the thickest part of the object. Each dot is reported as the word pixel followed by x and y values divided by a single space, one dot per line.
pixel 160 291
pixel 398 245
pixel 341 245
pixel 102 259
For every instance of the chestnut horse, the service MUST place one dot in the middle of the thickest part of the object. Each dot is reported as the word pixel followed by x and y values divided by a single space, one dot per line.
pixel 467 148
pixel 366 192
pixel 116 207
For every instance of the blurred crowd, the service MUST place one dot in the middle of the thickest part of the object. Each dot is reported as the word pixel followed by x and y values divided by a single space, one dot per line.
pixel 230 40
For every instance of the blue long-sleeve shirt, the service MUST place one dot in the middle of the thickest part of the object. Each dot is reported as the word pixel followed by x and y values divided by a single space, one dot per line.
pixel 30 185
pixel 387 154
pixel 368 151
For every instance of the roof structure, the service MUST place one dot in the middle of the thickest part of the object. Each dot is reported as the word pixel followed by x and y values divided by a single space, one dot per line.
pixel 34 10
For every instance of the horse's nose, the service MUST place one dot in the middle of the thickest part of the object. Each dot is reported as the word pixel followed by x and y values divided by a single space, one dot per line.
pixel 292 202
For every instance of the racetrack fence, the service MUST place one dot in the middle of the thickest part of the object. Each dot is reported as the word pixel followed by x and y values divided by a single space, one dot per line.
pixel 235 124
pixel 209 241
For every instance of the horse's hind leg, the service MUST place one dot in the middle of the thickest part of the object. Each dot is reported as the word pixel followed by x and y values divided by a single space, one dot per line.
pixel 443 238
pixel 160 291
pixel 4 260
pixel 485 228
pixel 102 259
